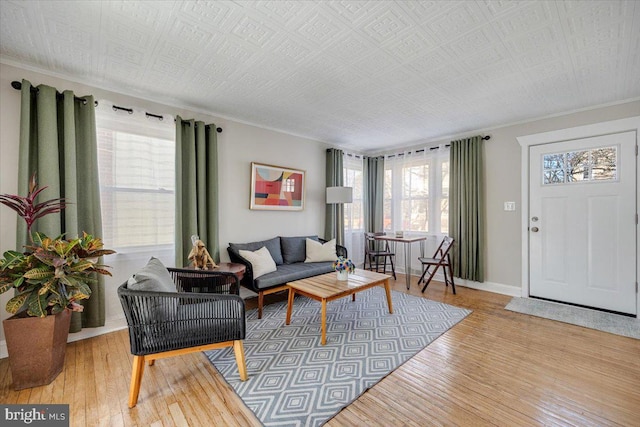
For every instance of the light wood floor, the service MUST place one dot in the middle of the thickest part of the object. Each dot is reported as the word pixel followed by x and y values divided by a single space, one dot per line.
pixel 495 367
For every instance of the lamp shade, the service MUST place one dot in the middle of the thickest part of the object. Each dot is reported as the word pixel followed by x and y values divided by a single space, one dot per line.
pixel 339 195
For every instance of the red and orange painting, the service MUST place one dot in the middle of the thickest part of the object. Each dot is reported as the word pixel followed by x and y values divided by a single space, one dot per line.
pixel 276 188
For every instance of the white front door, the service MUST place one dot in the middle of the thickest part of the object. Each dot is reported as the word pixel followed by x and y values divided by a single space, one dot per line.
pixel 582 221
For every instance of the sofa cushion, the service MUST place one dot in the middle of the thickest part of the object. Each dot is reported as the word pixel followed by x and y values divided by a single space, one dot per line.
pixel 272 245
pixel 290 272
pixel 294 249
pixel 320 252
pixel 261 261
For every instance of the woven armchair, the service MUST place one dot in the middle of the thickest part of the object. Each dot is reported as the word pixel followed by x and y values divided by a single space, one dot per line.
pixel 202 314
pixel 204 281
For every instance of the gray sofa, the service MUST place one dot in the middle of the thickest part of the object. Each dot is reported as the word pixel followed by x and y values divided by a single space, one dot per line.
pixel 289 254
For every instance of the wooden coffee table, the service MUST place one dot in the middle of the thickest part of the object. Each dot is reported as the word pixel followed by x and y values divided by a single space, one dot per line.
pixel 326 288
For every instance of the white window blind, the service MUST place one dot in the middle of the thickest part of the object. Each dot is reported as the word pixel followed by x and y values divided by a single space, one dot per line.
pixel 136 156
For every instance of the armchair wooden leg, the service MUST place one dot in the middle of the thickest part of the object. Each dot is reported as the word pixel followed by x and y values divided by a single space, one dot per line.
pixel 136 379
pixel 238 349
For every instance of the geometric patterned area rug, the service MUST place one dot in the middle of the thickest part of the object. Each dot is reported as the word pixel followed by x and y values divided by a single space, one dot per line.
pixel 295 381
pixel 585 317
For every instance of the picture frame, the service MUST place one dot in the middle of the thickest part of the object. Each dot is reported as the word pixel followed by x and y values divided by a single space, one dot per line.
pixel 276 188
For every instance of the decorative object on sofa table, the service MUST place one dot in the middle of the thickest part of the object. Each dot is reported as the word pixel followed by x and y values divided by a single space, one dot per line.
pixel 199 255
pixel 276 188
pixel 343 266
pixel 49 278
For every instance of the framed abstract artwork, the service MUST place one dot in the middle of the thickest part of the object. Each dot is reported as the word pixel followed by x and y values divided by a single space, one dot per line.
pixel 276 188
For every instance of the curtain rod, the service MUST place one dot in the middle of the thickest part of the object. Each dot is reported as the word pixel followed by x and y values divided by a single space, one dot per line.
pixel 18 86
pixel 218 129
pixel 157 116
pixel 484 138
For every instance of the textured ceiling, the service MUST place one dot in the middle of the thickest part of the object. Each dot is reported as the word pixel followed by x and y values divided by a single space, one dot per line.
pixel 364 75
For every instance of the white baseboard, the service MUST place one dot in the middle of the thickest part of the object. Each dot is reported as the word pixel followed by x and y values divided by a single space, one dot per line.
pixel 496 288
pixel 110 326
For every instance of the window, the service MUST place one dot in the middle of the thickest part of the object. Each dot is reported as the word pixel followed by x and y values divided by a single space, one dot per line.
pixel 596 164
pixel 354 212
pixel 136 158
pixel 416 191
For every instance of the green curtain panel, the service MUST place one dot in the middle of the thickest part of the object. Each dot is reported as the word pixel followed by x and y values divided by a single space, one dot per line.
pixel 196 187
pixel 373 194
pixel 334 218
pixel 466 208
pixel 58 142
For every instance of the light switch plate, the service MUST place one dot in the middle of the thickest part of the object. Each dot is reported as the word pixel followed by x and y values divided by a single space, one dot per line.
pixel 509 206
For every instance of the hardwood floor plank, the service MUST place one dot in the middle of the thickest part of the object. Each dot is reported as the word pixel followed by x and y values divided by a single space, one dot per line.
pixel 98 365
pixel 495 367
pixel 78 388
pixel 177 416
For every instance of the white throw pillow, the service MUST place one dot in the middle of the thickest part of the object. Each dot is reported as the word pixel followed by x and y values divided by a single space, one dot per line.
pixel 320 252
pixel 261 261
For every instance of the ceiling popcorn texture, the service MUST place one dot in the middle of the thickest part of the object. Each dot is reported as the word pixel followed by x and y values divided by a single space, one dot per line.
pixel 363 75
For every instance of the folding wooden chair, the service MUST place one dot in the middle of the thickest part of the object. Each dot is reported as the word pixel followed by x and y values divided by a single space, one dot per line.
pixel 441 258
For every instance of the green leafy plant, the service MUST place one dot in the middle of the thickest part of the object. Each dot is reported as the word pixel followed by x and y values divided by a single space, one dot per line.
pixel 53 274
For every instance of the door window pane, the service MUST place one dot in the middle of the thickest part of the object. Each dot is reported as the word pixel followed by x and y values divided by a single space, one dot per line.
pixel 577 166
pixel 555 176
pixel 603 163
pixel 596 164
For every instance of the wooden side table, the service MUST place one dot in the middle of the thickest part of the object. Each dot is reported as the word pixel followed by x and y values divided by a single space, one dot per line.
pixel 231 267
pixel 227 267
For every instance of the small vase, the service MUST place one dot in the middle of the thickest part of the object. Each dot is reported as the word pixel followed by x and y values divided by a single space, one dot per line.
pixel 343 275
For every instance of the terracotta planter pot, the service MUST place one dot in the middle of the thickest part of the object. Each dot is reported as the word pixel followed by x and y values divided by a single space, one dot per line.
pixel 36 347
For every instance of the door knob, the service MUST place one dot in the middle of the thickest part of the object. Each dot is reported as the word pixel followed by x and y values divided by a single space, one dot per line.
pixel 534 229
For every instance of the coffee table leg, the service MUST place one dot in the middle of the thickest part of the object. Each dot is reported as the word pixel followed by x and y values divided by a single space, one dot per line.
pixel 324 322
pixel 387 289
pixel 292 292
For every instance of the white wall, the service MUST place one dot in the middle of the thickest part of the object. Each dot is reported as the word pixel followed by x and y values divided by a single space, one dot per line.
pixel 238 145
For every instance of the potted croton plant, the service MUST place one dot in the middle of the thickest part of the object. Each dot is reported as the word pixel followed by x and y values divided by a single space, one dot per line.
pixel 49 279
